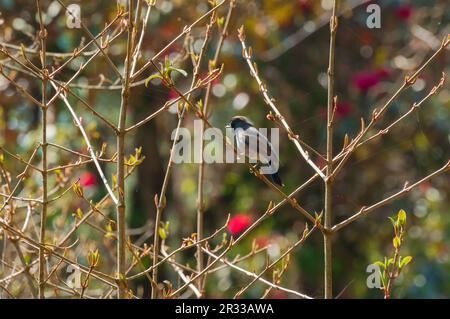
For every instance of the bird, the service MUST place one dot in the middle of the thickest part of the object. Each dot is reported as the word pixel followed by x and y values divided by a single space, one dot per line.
pixel 244 131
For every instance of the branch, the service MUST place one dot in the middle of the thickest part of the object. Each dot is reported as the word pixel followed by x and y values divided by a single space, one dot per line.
pixel 366 210
pixel 377 114
pixel 305 236
pixel 201 170
pixel 331 107
pixel 269 101
pixel 88 143
pixel 185 31
pixel 250 274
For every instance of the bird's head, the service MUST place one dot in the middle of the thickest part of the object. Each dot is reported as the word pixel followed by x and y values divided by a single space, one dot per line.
pixel 240 122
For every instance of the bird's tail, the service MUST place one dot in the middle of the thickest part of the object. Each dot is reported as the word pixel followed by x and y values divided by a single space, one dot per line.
pixel 275 178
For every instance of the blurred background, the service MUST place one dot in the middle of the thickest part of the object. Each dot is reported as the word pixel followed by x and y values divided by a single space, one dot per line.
pixel 290 42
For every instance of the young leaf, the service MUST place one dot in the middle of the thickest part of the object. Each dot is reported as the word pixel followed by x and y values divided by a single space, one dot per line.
pixel 220 22
pixel 114 181
pixel 390 261
pixel 396 242
pixel 405 261
pixel 401 217
pixel 79 213
pixel 392 221
pixel 94 258
pixel 166 62
pixel 151 77
pixel 27 259
pixel 162 233
pixel 78 189
pixel 346 141
pixel 183 72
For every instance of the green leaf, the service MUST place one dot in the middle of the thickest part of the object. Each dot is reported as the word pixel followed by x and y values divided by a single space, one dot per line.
pixel 79 213
pixel 390 261
pixel 172 68
pixel 220 22
pixel 132 160
pixel 380 264
pixel 200 105
pixel 162 233
pixel 405 261
pixel 109 229
pixel 166 62
pixel 401 217
pixel 151 77
pixel 78 189
pixel 109 235
pixel 396 242
pixel 392 221
pixel 94 258
pixel 27 259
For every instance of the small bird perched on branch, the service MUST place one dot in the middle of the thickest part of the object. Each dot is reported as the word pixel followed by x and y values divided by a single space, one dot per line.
pixel 248 137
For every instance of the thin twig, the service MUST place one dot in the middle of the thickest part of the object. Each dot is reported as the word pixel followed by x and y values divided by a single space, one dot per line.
pixel 185 31
pixel 120 205
pixel 305 236
pixel 269 101
pixel 42 228
pixel 88 143
pixel 331 106
pixel 251 274
pixel 377 114
pixel 201 169
pixel 366 210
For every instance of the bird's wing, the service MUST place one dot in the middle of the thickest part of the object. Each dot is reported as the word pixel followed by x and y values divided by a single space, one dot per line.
pixel 240 142
pixel 256 152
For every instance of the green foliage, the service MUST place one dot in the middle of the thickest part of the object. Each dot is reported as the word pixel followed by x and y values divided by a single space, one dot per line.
pixel 167 69
pixel 393 266
pixel 163 230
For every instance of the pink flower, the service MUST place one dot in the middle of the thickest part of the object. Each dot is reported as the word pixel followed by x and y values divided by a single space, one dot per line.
pixel 343 109
pixel 305 6
pixel 404 11
pixel 363 81
pixel 366 80
pixel 173 95
pixel 239 223
pixel 88 179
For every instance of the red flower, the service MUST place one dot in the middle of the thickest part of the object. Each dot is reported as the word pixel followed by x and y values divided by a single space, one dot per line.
pixel 239 223
pixel 365 80
pixel 88 179
pixel 404 11
pixel 173 95
pixel 305 6
pixel 343 109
